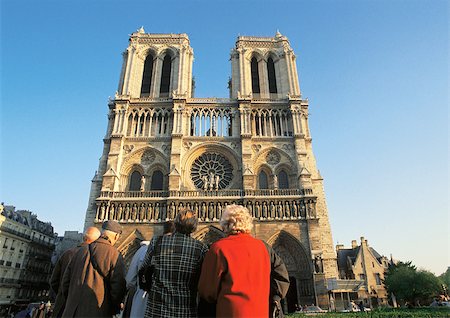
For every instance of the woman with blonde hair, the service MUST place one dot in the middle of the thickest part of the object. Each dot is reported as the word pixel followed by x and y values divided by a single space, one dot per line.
pixel 236 271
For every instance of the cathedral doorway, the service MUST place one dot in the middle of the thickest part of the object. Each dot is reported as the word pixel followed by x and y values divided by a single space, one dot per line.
pixel 130 245
pixel 299 266
pixel 292 297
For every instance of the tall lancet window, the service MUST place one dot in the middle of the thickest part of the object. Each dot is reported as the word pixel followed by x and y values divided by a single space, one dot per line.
pixel 157 180
pixel 147 76
pixel 283 180
pixel 271 75
pixel 263 182
pixel 255 76
pixel 135 181
pixel 165 76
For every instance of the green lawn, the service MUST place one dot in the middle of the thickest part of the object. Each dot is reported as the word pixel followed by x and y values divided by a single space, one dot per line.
pixel 387 313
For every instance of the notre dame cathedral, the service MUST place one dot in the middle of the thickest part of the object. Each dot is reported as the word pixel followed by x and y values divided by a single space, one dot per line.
pixel 166 149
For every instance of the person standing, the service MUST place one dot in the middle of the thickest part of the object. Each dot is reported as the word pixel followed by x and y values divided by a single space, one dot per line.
pixel 177 261
pixel 94 282
pixel 139 296
pixel 279 283
pixel 39 312
pixel 236 271
pixel 89 236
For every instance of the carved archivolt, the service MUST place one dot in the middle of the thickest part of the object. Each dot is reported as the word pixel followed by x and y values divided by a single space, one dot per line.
pixel 274 156
pixel 144 51
pixel 130 245
pixel 145 160
pixel 157 51
pixel 209 235
pixel 264 54
pixel 143 156
pixel 293 253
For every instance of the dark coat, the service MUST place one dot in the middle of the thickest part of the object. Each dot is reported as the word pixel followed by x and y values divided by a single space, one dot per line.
pixel 94 292
pixel 279 282
pixel 57 277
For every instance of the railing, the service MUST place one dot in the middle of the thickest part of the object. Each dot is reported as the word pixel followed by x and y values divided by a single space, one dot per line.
pixel 148 99
pixel 40 255
pixel 42 242
pixel 278 192
pixel 272 98
pixel 10 281
pixel 202 193
pixel 134 194
pixel 347 285
pixel 6 229
pixel 37 269
pixel 211 100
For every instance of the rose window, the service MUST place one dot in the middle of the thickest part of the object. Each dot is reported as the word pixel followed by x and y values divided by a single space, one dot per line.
pixel 211 171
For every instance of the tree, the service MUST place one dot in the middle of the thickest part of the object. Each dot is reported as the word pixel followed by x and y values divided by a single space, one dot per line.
pixel 412 286
pixel 445 278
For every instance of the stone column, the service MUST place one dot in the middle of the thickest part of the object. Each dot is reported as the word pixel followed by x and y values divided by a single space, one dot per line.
pixel 116 120
pixel 287 55
pixel 294 71
pixel 157 79
pixel 181 89
pixel 243 72
pixel 189 77
pixel 246 143
pixel 126 87
pixel 263 79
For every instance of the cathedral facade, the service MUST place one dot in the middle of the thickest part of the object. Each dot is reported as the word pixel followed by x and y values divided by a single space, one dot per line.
pixel 166 149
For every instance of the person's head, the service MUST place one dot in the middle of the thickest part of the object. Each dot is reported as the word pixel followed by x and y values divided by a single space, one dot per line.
pixel 169 227
pixel 111 230
pixel 186 221
pixel 91 234
pixel 236 219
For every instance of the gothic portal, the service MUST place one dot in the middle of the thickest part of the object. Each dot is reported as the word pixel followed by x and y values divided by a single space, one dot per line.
pixel 165 149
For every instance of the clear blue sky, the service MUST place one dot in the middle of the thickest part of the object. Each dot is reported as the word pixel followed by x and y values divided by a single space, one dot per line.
pixel 375 72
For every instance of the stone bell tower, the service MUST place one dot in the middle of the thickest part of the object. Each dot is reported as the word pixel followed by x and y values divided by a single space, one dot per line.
pixel 165 150
pixel 274 124
pixel 253 62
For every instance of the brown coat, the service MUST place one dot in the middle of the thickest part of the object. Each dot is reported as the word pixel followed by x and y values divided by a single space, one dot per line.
pixel 94 292
pixel 57 278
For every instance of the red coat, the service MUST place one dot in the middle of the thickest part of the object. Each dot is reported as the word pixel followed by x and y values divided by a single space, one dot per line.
pixel 236 275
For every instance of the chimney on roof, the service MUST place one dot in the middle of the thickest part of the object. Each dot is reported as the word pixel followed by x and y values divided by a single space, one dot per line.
pixel 354 244
pixel 363 240
pixel 339 247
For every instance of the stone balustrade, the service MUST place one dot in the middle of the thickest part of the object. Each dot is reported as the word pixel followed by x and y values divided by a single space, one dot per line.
pixel 203 193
